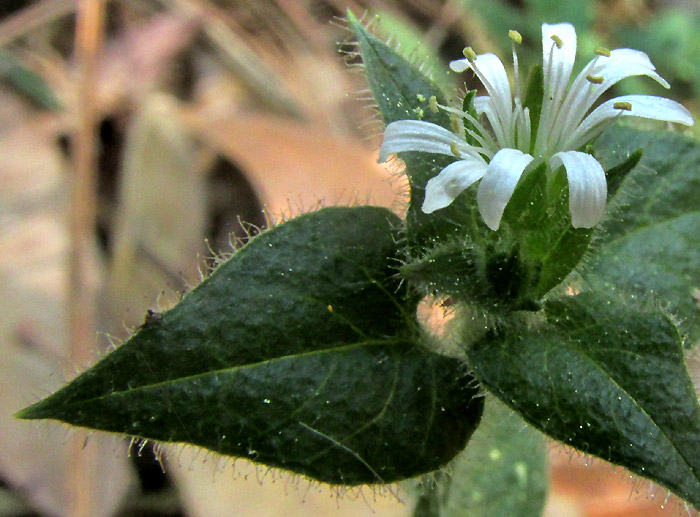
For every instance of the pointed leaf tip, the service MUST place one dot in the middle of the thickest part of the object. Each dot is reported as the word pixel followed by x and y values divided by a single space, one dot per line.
pixel 300 352
pixel 608 378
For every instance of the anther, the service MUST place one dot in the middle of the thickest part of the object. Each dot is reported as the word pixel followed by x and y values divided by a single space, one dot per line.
pixel 455 124
pixel 455 150
pixel 469 54
pixel 602 51
pixel 626 106
pixel 557 41
pixel 595 79
pixel 433 104
pixel 515 36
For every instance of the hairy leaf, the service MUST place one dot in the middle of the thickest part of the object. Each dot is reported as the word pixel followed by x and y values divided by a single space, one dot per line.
pixel 401 92
pixel 664 185
pixel 650 243
pixel 300 352
pixel 607 377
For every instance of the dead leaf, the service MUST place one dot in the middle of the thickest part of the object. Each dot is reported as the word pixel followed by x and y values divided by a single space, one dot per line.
pixel 294 167
pixel 34 456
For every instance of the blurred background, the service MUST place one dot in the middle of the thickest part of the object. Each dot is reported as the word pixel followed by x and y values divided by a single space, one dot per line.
pixel 140 138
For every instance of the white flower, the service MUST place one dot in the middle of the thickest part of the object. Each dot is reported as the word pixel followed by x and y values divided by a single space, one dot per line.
pixel 503 145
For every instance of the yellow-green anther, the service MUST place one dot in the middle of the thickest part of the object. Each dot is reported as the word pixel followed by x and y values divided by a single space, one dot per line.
pixel 627 106
pixel 420 97
pixel 595 79
pixel 469 54
pixel 602 51
pixel 515 36
pixel 433 105
pixel 455 150
pixel 455 124
pixel 557 41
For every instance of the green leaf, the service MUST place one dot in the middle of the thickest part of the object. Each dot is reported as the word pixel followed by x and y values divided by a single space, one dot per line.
pixel 300 352
pixel 650 243
pixel 607 377
pixel 408 37
pixel 660 261
pixel 503 471
pixel 401 92
pixel 27 82
pixel 664 185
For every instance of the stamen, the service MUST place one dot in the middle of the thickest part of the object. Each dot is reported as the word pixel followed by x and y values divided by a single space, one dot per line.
pixel 626 106
pixel 602 51
pixel 517 40
pixel 595 79
pixel 455 150
pixel 469 54
pixel 456 125
pixel 557 41
pixel 433 104
pixel 488 144
pixel 420 97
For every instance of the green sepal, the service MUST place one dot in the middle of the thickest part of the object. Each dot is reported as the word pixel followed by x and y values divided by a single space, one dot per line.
pixel 534 97
pixel 606 375
pixel 490 278
pixel 402 92
pixel 300 352
pixel 469 108
pixel 538 215
pixel 453 269
pixel 616 175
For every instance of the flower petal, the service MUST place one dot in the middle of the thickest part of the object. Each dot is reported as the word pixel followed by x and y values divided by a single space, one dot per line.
pixel 558 62
pixel 417 135
pixel 444 188
pixel 483 104
pixel 498 184
pixel 621 63
pixel 459 65
pixel 626 62
pixel 643 106
pixel 491 72
pixel 588 187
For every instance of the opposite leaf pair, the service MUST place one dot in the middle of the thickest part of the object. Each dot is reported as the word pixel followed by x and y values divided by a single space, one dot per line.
pixel 303 350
